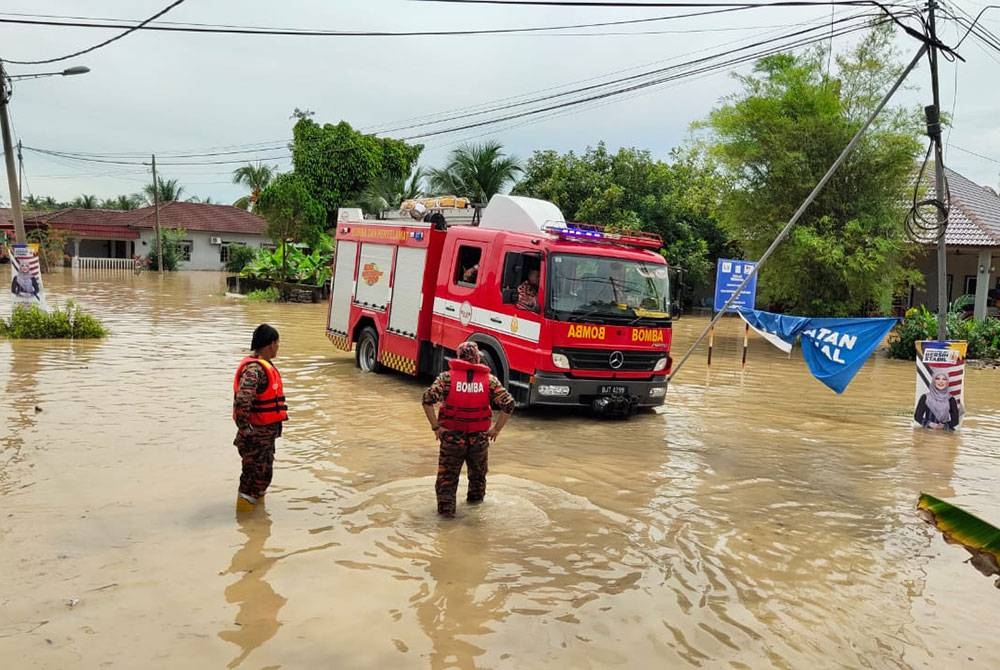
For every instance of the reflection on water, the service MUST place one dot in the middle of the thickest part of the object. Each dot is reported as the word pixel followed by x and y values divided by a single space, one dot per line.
pixel 257 620
pixel 757 521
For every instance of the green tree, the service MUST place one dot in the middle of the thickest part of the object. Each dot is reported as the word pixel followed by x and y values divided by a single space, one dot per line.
pixel 254 177
pixel 475 171
pixel 337 163
pixel 123 202
pixel 169 190
pixel 775 139
pixel 292 214
pixel 86 201
pixel 173 255
pixel 628 190
pixel 388 192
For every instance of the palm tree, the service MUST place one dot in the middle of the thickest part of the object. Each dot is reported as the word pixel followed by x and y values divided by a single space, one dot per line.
pixel 207 200
pixel 388 192
pixel 476 171
pixel 123 202
pixel 86 202
pixel 256 178
pixel 50 203
pixel 169 190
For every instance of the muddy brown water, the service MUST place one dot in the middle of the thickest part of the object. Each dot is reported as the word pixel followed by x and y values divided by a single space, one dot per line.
pixel 759 521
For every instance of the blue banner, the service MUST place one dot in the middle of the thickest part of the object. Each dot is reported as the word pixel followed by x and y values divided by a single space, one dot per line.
pixel 834 349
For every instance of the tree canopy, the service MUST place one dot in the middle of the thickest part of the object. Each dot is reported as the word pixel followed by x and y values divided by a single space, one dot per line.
pixel 337 163
pixel 475 171
pixel 256 177
pixel 628 190
pixel 775 139
pixel 290 211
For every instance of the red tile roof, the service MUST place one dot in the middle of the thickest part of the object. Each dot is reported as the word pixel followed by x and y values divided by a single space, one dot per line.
pixel 201 217
pixel 117 224
pixel 974 218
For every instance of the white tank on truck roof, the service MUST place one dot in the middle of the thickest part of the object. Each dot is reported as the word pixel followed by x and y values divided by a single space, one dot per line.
pixel 518 214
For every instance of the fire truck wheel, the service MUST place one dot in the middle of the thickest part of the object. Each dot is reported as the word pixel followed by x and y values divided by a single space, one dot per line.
pixel 366 356
pixel 486 358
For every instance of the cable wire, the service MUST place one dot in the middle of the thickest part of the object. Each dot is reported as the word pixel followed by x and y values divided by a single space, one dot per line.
pixel 105 43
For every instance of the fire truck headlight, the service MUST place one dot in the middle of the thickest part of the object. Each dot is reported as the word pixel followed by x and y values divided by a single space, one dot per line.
pixel 553 390
pixel 658 392
pixel 560 361
pixel 660 364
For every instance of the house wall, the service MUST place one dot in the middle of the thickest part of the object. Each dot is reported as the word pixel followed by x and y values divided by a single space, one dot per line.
pixel 204 255
pixel 960 265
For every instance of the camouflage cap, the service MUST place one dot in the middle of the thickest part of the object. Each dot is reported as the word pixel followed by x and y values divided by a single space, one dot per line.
pixel 468 351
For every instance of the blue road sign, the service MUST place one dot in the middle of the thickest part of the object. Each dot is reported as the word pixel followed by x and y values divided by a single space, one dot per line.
pixel 729 274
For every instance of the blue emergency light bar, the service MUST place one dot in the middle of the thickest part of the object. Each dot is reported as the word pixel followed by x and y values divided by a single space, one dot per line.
pixel 591 233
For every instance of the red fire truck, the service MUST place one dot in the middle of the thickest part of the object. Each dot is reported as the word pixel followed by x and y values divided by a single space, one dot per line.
pixel 564 314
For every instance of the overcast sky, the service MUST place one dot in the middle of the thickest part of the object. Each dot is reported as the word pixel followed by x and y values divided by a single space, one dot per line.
pixel 178 92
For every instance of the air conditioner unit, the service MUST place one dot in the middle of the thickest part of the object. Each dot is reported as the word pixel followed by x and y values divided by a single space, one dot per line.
pixel 215 240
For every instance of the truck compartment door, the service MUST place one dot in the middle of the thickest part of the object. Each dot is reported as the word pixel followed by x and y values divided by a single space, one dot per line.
pixel 407 291
pixel 342 291
pixel 373 278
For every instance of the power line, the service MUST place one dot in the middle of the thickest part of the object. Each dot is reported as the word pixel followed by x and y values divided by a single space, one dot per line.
pixel 660 5
pixel 129 31
pixel 973 153
pixel 76 22
pixel 621 80
pixel 646 84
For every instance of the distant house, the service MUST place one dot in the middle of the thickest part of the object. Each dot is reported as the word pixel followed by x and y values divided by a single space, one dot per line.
pixel 972 239
pixel 210 231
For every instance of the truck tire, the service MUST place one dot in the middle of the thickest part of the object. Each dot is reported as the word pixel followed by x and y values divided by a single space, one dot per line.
pixel 486 358
pixel 366 355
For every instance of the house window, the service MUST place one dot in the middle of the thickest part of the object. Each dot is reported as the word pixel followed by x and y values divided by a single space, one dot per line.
pixel 467 267
pixel 185 247
pixel 224 252
pixel 970 284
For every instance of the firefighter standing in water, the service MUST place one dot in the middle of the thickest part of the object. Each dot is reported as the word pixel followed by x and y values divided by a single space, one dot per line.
pixel 464 425
pixel 258 409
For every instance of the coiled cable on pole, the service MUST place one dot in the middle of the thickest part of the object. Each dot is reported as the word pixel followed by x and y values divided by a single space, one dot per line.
pixel 927 219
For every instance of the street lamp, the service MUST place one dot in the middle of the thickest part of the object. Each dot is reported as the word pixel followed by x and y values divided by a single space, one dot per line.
pixel 5 92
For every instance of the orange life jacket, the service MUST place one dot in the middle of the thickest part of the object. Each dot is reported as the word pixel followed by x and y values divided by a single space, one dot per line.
pixel 467 407
pixel 268 407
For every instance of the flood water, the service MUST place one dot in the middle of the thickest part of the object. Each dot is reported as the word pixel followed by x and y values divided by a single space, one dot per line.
pixel 759 521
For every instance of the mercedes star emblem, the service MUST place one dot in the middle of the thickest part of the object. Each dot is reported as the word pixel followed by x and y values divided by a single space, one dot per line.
pixel 616 360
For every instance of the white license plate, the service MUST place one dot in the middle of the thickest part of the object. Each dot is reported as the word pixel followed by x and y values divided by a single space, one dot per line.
pixel 612 390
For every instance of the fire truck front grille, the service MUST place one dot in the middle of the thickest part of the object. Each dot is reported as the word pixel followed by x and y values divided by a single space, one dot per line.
pixel 608 359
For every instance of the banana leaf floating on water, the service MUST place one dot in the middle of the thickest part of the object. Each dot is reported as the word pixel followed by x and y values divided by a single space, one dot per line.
pixel 979 538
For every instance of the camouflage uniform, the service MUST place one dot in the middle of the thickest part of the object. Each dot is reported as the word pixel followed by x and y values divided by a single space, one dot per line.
pixel 458 447
pixel 255 443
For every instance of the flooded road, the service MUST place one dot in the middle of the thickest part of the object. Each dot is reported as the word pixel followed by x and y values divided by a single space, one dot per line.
pixel 759 521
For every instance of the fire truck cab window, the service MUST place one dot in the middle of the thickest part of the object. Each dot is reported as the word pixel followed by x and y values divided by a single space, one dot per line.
pixel 467 268
pixel 517 267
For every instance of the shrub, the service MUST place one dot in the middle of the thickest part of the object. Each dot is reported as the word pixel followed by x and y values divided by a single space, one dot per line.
pixel 270 294
pixel 34 323
pixel 239 256
pixel 921 324
pixel 173 255
pixel 984 338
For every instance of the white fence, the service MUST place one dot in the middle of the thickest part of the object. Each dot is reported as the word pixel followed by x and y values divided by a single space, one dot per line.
pixel 119 264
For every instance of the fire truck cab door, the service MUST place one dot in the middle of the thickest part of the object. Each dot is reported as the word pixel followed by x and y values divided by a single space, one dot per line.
pixel 522 326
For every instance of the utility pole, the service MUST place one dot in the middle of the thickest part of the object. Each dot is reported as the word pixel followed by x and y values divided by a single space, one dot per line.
pixel 933 114
pixel 156 214
pixel 20 237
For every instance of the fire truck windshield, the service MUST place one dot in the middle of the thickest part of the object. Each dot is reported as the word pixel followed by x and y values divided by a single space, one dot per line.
pixel 599 289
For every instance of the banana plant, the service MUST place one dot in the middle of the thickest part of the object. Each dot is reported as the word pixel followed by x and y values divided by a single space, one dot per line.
pixel 979 538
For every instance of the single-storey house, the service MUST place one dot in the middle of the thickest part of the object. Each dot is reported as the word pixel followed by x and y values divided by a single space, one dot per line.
pixel 972 240
pixel 210 230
